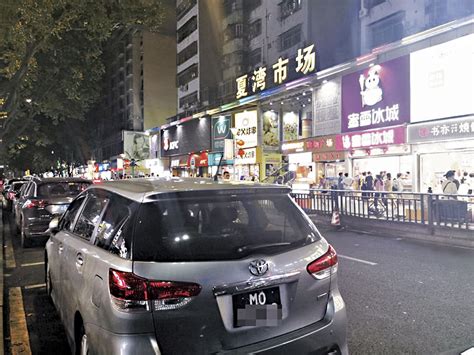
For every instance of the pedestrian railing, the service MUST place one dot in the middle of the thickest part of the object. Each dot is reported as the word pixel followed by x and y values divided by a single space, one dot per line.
pixel 453 211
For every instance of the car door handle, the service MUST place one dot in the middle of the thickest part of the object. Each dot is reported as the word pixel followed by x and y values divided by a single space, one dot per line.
pixel 79 260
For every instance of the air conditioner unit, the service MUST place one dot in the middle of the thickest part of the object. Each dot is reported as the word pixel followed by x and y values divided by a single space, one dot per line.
pixel 183 87
pixel 363 12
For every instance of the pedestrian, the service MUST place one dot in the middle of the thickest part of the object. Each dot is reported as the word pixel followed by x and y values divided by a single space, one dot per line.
pixel 379 188
pixel 397 185
pixel 226 175
pixel 347 182
pixel 388 188
pixel 449 186
pixel 369 181
pixel 340 181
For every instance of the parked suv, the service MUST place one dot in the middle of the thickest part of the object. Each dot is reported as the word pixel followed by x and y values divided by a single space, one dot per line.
pixel 11 192
pixel 43 199
pixel 188 266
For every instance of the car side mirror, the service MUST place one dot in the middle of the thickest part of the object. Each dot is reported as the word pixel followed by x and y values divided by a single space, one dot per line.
pixel 54 225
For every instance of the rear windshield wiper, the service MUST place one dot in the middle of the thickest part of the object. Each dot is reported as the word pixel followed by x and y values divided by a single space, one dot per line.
pixel 252 247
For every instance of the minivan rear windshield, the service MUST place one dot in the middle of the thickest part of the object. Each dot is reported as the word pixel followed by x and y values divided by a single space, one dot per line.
pixel 61 189
pixel 220 227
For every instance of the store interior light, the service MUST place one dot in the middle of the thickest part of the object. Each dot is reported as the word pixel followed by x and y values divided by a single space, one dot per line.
pixel 271 103
pixel 282 102
pixel 325 81
pixel 297 98
pixel 309 100
pixel 304 93
pixel 371 65
pixel 304 105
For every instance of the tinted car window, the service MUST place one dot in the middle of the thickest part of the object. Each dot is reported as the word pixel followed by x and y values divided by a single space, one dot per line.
pixel 220 227
pixel 110 228
pixel 67 222
pixel 17 186
pixel 61 189
pixel 90 216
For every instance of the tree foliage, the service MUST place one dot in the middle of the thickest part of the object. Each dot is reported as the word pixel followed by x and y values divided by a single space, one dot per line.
pixel 51 64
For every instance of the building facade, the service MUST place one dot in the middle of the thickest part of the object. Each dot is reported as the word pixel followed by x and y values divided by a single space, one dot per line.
pixel 199 42
pixel 140 69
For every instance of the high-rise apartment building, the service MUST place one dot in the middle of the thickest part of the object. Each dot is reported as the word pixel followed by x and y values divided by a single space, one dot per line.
pixel 140 70
pixel 384 21
pixel 199 42
pixel 258 32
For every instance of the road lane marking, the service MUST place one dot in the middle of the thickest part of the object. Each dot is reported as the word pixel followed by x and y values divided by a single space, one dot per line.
pixel 355 259
pixel 29 287
pixel 10 262
pixel 33 264
pixel 20 340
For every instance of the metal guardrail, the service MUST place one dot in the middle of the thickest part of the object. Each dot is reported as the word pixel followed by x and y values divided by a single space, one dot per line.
pixel 433 210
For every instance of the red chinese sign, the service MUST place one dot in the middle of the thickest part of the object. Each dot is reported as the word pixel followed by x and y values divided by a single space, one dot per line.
pixel 198 160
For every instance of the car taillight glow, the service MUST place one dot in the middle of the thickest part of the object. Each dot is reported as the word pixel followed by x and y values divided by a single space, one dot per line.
pixel 322 267
pixel 35 203
pixel 130 292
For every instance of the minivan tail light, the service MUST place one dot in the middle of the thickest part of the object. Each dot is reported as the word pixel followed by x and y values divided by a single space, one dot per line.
pixel 35 203
pixel 322 267
pixel 131 292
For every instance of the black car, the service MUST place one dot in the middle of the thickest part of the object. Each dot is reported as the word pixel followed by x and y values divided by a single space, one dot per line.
pixel 11 192
pixel 43 199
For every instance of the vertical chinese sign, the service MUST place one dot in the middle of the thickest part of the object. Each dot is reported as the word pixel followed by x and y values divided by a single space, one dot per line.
pixel 376 97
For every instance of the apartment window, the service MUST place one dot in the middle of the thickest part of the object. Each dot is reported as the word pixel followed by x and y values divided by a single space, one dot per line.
pixel 187 75
pixel 372 3
pixel 290 38
pixel 188 28
pixel 230 6
pixel 183 8
pixel 232 31
pixel 289 7
pixel 251 5
pixel 188 100
pixel 188 52
pixel 387 30
pixel 255 57
pixel 255 28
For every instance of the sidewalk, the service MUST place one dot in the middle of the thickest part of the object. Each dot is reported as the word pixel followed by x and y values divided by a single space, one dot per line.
pixel 2 344
pixel 446 236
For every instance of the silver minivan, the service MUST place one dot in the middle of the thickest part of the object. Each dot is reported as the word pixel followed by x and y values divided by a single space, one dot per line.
pixel 190 266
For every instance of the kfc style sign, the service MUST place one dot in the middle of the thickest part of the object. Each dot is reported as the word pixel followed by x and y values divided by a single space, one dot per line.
pixel 371 138
pixel 376 97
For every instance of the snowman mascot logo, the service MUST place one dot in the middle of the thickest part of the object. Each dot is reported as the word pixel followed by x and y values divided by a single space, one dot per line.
pixel 370 91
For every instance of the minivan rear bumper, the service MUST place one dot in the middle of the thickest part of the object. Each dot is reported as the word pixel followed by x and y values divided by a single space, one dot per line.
pixel 104 342
pixel 323 337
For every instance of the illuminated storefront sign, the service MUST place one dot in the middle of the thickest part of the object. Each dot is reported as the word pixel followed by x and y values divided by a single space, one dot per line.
pixel 456 128
pixel 316 144
pixel 191 136
pixel 220 132
pixel 246 124
pixel 371 138
pixel 246 156
pixel 283 70
pixel 328 156
pixel 442 80
pixel 198 160
pixel 376 97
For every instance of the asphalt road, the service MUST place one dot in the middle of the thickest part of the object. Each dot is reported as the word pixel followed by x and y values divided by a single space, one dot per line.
pixel 403 297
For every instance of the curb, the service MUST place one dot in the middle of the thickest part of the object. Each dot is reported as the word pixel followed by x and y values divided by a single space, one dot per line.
pixel 453 238
pixel 2 343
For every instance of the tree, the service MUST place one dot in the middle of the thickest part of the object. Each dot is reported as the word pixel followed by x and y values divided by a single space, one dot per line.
pixel 51 61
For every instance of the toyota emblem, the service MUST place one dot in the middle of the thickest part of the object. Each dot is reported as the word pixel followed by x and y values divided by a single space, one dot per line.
pixel 258 267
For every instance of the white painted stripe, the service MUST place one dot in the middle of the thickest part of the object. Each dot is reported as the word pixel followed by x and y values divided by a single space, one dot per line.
pixel 355 259
pixel 33 264
pixel 468 352
pixel 34 286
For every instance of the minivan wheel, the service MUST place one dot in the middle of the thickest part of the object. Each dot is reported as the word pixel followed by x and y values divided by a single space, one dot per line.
pixel 25 242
